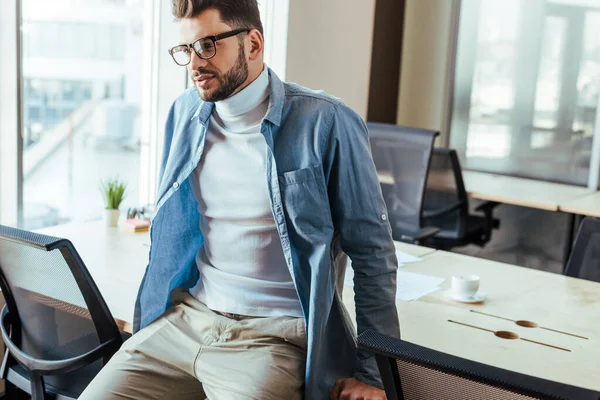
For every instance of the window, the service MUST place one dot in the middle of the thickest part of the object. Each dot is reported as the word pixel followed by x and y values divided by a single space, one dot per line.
pixel 81 106
pixel 527 87
pixel 95 84
pixel 274 15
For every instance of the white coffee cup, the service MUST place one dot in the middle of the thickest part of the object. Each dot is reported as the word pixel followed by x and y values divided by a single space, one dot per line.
pixel 465 286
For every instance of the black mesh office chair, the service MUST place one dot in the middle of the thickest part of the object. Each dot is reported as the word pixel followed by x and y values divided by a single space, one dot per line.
pixel 56 326
pixel 404 153
pixel 412 372
pixel 446 206
pixel 584 261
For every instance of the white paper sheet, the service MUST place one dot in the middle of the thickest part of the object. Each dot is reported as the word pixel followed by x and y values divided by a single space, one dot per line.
pixel 409 285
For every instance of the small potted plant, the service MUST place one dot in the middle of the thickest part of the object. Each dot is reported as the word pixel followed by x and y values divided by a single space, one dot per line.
pixel 113 191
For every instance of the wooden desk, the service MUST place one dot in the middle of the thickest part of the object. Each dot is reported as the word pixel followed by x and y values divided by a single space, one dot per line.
pixel 588 205
pixel 526 193
pixel 117 261
pixel 550 300
pixel 512 190
pixel 417 251
pixel 520 191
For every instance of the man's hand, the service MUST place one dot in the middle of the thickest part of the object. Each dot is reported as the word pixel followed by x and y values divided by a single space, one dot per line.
pixel 352 389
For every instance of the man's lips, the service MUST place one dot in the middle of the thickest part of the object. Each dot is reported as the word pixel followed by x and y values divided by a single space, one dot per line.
pixel 202 79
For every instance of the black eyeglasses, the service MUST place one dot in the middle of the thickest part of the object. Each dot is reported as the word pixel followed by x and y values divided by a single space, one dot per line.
pixel 204 48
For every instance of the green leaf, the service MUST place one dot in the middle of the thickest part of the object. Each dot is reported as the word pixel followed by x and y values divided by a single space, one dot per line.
pixel 113 191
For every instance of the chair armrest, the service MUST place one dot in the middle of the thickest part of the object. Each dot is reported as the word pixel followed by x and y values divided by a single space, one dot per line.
pixel 53 367
pixel 442 211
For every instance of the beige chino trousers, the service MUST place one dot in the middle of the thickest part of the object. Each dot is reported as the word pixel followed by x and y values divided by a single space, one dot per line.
pixel 192 352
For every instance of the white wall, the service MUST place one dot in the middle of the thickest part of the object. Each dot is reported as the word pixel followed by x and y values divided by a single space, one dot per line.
pixel 426 56
pixel 329 48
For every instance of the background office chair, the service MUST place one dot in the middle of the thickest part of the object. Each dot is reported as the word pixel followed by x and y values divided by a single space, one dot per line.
pixel 412 372
pixel 405 153
pixel 446 206
pixel 584 261
pixel 57 328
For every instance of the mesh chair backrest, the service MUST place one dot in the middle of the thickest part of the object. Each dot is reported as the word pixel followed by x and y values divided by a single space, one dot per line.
pixel 445 186
pixel 413 372
pixel 49 300
pixel 584 261
pixel 405 153
pixel 423 382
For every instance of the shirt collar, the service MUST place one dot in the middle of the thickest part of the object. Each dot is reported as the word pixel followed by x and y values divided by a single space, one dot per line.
pixel 276 99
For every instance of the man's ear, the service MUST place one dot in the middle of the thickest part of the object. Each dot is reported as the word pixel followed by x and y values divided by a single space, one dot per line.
pixel 256 42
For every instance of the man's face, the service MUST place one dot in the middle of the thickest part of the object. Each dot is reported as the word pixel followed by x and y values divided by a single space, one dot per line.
pixel 220 77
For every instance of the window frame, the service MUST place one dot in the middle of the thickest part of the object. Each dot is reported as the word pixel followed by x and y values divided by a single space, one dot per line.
pixel 11 138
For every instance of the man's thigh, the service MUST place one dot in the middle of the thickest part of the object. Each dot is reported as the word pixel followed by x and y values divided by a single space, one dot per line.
pixel 155 363
pixel 191 348
pixel 261 359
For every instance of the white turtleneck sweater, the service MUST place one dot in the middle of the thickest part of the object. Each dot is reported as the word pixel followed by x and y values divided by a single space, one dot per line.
pixel 241 263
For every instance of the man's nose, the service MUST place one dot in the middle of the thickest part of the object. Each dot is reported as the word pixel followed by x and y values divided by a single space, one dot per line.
pixel 197 62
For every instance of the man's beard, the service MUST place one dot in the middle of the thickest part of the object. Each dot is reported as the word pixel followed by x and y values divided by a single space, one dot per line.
pixel 229 82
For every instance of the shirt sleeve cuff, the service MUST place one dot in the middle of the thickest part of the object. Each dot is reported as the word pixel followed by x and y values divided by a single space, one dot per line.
pixel 367 372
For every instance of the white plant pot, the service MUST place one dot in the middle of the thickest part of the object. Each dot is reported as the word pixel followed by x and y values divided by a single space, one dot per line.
pixel 111 218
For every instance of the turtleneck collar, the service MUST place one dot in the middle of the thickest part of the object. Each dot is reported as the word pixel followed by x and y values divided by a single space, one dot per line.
pixel 245 100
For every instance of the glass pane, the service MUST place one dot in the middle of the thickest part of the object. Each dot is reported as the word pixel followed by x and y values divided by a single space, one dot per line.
pixel 547 100
pixel 588 89
pixel 492 95
pixel 81 99
pixel 526 87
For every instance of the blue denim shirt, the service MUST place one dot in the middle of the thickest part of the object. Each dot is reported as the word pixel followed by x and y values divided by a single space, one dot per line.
pixel 326 202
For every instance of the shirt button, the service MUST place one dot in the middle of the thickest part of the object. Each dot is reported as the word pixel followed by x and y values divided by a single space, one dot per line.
pixel 383 217
pixel 199 149
pixel 175 185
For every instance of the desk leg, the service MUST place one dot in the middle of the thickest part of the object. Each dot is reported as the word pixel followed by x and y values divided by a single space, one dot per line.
pixel 572 225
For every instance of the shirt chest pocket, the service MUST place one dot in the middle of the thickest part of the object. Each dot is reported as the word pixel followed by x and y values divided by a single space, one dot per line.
pixel 305 200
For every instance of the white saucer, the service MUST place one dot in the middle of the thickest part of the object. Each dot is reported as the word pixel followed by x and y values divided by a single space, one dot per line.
pixel 476 298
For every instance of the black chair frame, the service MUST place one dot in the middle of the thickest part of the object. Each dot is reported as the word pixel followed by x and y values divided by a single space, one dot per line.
pixel 486 208
pixel 10 324
pixel 388 350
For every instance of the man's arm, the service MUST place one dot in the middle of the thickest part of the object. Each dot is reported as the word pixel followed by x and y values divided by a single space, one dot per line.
pixel 360 216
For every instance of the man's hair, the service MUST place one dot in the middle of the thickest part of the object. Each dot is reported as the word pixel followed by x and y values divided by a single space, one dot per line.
pixel 236 13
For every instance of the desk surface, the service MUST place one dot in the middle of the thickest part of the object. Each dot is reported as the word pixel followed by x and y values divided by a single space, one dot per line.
pixel 512 190
pixel 417 251
pixel 520 191
pixel 514 293
pixel 586 205
pixel 117 260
